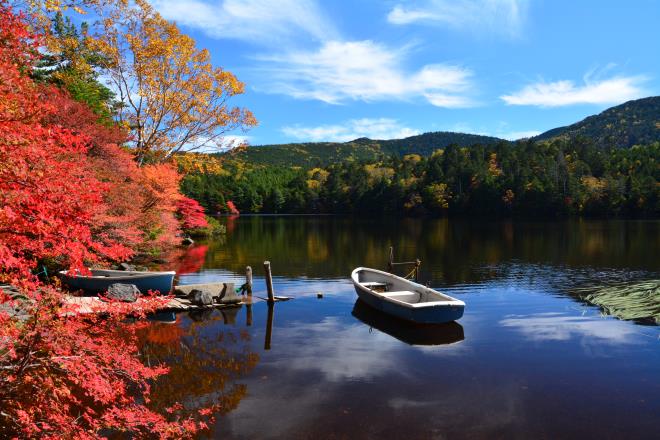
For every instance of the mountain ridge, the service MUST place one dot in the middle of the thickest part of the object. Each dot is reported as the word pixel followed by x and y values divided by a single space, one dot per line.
pixel 322 153
pixel 631 123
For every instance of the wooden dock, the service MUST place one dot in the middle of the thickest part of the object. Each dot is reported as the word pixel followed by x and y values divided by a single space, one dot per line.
pixel 93 304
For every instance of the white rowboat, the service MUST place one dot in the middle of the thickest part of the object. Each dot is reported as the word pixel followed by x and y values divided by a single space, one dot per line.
pixel 403 298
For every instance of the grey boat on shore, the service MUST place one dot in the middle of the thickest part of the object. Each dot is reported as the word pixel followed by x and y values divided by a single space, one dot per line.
pixel 403 298
pixel 101 279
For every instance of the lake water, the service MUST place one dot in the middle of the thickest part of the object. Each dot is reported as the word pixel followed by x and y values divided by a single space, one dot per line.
pixel 529 359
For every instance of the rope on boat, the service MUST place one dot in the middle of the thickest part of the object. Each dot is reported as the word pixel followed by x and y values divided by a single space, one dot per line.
pixel 411 274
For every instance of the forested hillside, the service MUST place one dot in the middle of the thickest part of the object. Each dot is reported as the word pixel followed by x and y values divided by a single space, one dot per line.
pixel 608 164
pixel 315 154
pixel 526 178
pixel 632 123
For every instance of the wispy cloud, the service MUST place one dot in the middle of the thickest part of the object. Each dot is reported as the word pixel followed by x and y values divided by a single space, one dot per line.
pixel 367 71
pixel 378 128
pixel 560 327
pixel 266 22
pixel 613 90
pixel 492 16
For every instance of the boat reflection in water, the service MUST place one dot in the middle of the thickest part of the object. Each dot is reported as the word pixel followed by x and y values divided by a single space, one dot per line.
pixel 409 332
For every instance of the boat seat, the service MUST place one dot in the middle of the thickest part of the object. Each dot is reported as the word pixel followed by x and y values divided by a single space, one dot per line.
pixel 372 284
pixel 399 293
pixel 406 296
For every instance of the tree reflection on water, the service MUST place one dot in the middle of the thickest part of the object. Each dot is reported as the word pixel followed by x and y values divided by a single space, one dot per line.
pixel 206 359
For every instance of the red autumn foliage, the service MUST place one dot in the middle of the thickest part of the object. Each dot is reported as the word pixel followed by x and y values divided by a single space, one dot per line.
pixel 192 260
pixel 69 193
pixel 191 214
pixel 232 208
pixel 48 199
pixel 141 202
pixel 68 377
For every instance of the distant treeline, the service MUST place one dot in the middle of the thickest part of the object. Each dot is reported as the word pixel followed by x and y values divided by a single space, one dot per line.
pixel 555 178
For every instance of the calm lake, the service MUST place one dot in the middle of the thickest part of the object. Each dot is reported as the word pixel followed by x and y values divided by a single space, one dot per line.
pixel 529 359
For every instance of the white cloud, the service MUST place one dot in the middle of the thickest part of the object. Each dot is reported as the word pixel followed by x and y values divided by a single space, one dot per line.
pixel 228 142
pixel 559 327
pixel 492 16
pixel 265 21
pixel 379 128
pixel 515 135
pixel 614 90
pixel 367 71
pixel 223 143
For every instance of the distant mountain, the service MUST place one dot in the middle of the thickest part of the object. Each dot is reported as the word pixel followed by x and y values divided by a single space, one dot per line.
pixel 632 123
pixel 322 153
pixel 425 144
pixel 635 122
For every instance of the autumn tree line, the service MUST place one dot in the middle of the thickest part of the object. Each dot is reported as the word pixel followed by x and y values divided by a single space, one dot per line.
pixel 550 178
pixel 86 179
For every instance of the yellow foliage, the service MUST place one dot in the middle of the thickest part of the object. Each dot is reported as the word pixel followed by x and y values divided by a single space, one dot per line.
pixel 376 173
pixel 439 152
pixel 493 167
pixel 406 183
pixel 313 184
pixel 413 158
pixel 318 174
pixel 199 163
pixel 174 99
pixel 413 201
pixel 440 194
pixel 594 184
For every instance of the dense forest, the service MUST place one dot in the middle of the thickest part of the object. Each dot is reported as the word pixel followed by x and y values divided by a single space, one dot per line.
pixel 550 178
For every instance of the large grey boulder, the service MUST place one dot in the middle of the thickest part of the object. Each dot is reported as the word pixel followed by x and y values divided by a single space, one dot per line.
pixel 201 297
pixel 123 292
pixel 223 293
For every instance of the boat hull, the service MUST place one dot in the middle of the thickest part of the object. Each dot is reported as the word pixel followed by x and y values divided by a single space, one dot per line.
pixel 448 309
pixel 429 315
pixel 100 280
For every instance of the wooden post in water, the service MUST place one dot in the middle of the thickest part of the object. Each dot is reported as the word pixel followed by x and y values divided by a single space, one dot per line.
pixel 269 326
pixel 248 316
pixel 269 283
pixel 248 280
pixel 390 264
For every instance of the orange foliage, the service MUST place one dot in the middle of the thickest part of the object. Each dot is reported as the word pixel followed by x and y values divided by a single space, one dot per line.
pixel 183 100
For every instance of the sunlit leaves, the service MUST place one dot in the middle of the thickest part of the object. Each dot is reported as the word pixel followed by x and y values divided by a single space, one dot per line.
pixel 173 98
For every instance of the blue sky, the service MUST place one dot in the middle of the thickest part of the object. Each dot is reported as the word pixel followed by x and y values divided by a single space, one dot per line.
pixel 338 70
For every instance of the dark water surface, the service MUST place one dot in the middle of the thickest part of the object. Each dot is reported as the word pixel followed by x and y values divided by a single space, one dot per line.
pixel 529 359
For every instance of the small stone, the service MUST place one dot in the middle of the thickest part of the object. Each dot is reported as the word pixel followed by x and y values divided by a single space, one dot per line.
pixel 187 241
pixel 123 292
pixel 126 266
pixel 201 297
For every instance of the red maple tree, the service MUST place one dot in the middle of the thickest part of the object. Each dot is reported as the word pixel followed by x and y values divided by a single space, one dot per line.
pixel 64 374
pixel 191 214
